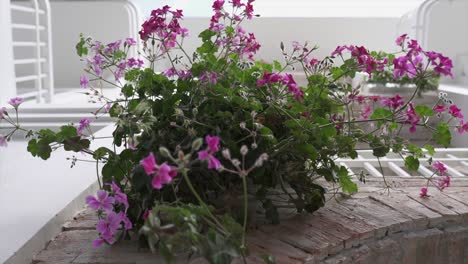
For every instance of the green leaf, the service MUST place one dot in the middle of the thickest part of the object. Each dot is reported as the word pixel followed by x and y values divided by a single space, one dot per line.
pixel 66 132
pixel 430 149
pixel 39 148
pixel 442 135
pixel 128 90
pixel 412 163
pixel 345 181
pixel 206 35
pixel 381 113
pixel 81 49
pixel 423 110
pixel 76 144
pixel 307 149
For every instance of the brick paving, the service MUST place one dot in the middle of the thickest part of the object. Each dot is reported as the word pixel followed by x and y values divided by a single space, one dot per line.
pixel 374 226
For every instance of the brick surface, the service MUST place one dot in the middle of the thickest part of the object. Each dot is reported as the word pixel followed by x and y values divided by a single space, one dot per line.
pixel 375 226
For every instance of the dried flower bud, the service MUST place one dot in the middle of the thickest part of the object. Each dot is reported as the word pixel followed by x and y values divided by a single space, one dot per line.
pixel 243 150
pixel 179 112
pixel 254 145
pixel 181 155
pixel 236 162
pixel 259 162
pixel 197 143
pixel 164 152
pixel 227 154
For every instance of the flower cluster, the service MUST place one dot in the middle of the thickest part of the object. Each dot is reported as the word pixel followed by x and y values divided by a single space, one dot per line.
pixel 164 26
pixel 112 209
pixel 413 61
pixel 237 40
pixel 366 62
pixel 286 80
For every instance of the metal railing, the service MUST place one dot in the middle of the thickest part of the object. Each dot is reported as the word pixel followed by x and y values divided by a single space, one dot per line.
pixel 455 160
pixel 37 13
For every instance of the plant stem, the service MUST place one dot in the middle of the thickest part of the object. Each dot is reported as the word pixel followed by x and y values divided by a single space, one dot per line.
pixel 246 208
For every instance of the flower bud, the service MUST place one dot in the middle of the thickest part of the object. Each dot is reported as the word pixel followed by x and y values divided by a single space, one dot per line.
pixel 179 112
pixel 244 149
pixel 242 125
pixel 236 162
pixel 164 152
pixel 227 154
pixel 197 143
pixel 181 155
pixel 254 146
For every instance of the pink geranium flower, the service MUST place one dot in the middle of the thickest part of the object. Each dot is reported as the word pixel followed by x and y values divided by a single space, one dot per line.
pixel 213 147
pixel 119 195
pixel 439 108
pixel 401 39
pixel 163 174
pixel 84 82
pixel 462 126
pixel 423 192
pixel 443 182
pixel 16 101
pixel 84 123
pixel 455 111
pixel 439 167
pixel 101 201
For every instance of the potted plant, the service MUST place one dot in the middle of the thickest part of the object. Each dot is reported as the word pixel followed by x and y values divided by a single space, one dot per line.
pixel 219 130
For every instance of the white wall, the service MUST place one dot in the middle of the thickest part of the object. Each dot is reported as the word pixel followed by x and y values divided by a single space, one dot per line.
pixel 106 21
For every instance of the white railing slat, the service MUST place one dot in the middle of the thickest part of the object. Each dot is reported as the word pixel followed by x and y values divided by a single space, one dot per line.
pixel 25 9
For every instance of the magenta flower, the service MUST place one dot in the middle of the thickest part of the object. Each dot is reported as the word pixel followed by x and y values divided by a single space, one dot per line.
pixel 101 201
pixel 3 141
pixel 366 112
pixel 400 66
pixel 423 192
pixel 443 65
pixel 443 182
pixel 213 147
pixel 401 39
pixel 132 62
pixel 455 111
pixel 119 196
pixel 130 41
pixel 412 118
pixel 462 126
pixel 213 162
pixel 108 227
pixel 163 174
pixel 16 101
pixel 213 143
pixel 84 123
pixel 393 102
pixel 149 164
pixel 439 167
pixel 439 108
pixel 84 82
